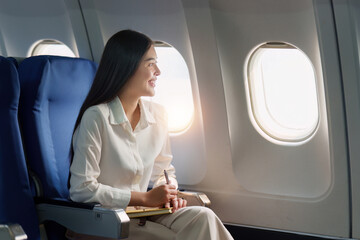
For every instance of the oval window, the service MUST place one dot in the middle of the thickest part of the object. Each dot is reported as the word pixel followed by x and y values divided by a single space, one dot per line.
pixel 173 88
pixel 282 92
pixel 51 47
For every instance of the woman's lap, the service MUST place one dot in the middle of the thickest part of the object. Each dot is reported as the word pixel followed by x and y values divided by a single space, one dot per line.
pixel 187 223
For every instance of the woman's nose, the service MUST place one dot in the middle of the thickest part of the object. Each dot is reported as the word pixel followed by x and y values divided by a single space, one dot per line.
pixel 157 71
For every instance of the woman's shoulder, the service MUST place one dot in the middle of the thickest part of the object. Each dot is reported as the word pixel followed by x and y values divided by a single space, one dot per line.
pixel 96 113
pixel 157 110
pixel 153 106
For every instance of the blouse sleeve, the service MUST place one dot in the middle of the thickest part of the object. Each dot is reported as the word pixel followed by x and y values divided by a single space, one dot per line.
pixel 85 169
pixel 163 160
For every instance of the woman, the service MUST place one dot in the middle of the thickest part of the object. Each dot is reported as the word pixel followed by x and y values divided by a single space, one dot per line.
pixel 121 143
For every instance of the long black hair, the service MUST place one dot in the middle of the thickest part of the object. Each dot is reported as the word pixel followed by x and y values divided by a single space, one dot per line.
pixel 119 61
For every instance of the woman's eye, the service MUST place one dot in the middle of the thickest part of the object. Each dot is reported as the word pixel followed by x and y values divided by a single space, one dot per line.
pixel 152 63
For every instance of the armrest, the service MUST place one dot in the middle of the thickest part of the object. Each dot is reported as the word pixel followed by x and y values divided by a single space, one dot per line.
pixel 12 232
pixel 91 219
pixel 195 198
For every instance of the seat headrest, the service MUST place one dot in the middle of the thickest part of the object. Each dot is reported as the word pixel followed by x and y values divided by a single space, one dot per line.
pixel 9 84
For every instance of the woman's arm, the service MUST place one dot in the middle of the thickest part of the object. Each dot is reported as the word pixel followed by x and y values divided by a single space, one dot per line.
pixel 163 162
pixel 85 169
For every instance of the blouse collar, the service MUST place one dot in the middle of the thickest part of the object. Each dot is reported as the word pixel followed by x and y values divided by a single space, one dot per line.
pixel 118 116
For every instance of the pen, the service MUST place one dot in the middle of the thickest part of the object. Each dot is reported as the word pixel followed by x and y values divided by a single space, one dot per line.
pixel 166 177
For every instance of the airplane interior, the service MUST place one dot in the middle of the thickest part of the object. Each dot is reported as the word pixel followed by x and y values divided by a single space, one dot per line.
pixel 263 103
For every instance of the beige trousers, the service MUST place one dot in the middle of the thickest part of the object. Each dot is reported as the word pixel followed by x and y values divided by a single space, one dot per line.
pixel 197 223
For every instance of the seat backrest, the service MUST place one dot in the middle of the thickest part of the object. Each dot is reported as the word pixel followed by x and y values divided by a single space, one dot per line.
pixel 17 205
pixel 52 91
pixel 13 61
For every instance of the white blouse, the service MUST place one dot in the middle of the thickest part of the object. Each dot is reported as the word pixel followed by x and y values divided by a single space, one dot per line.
pixel 111 160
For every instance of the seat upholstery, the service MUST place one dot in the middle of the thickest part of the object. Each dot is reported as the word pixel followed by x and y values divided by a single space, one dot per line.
pixel 52 91
pixel 13 61
pixel 17 205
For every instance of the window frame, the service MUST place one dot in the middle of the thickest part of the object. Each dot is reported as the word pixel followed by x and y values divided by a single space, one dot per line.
pixel 261 129
pixel 35 47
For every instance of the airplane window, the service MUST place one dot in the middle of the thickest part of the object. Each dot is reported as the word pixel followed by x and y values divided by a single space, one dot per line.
pixel 282 93
pixel 173 88
pixel 51 47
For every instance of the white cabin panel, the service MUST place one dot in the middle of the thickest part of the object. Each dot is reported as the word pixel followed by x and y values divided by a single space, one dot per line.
pixel 347 19
pixel 24 23
pixel 301 187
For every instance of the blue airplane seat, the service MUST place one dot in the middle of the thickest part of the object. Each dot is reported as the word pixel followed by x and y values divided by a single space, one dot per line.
pixel 14 61
pixel 17 204
pixel 52 92
pixel 53 89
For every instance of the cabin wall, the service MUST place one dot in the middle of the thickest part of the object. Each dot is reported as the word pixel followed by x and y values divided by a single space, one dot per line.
pixel 24 23
pixel 293 187
pixel 347 20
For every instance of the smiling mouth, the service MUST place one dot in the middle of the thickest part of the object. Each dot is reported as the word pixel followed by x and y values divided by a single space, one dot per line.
pixel 152 83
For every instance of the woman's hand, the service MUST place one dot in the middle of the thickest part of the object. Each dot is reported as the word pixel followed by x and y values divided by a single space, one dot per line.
pixel 157 197
pixel 177 203
pixel 160 195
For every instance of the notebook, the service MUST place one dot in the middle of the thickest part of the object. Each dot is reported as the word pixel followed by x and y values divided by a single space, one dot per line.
pixel 138 211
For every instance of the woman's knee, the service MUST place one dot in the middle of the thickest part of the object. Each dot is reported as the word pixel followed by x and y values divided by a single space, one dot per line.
pixel 202 212
pixel 207 213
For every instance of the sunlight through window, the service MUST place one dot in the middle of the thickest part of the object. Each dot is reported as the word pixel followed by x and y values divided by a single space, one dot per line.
pixel 282 90
pixel 173 88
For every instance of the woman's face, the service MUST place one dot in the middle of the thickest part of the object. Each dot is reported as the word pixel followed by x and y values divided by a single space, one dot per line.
pixel 143 82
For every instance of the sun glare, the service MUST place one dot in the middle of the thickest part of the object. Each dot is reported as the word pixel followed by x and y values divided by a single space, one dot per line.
pixel 173 89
